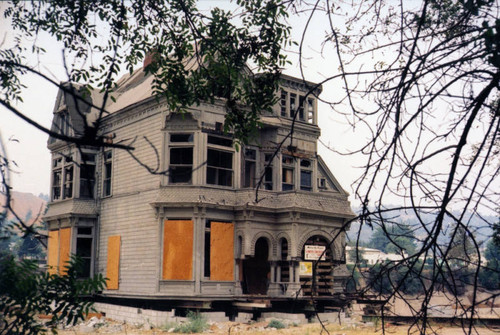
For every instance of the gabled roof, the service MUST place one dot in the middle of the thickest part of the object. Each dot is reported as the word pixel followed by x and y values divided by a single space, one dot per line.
pixel 330 178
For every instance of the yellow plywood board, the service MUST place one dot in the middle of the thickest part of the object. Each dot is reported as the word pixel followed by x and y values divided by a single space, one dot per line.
pixel 113 263
pixel 221 251
pixel 53 251
pixel 64 249
pixel 177 250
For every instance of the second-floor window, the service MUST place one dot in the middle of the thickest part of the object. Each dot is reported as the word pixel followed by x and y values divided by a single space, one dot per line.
pixel 107 173
pixel 268 172
pixel 219 161
pixel 62 177
pixel 250 162
pixel 87 175
pixel 305 175
pixel 287 173
pixel 181 158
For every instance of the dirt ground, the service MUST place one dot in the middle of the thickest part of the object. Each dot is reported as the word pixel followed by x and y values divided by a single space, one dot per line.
pixel 257 328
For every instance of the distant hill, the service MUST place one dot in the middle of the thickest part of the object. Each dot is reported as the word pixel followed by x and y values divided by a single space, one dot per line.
pixel 482 231
pixel 27 206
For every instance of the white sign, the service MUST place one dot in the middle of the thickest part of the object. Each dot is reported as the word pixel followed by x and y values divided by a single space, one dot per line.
pixel 314 252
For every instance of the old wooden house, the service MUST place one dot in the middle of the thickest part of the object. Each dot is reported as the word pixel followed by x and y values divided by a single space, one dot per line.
pixel 176 221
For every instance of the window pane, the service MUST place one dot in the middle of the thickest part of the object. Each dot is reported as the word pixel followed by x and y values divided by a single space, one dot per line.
pixel 84 231
pixel 227 142
pixel 305 180
pixel 84 247
pixel 181 138
pixel 180 174
pixel 181 156
pixel 218 158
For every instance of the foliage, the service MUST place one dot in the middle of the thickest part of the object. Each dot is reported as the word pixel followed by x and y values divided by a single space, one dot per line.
pixel 195 57
pixel 196 324
pixel 489 277
pixel 353 283
pixel 276 324
pixel 26 291
pixel 394 238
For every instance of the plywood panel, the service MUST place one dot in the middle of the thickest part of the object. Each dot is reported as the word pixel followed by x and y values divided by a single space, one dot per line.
pixel 64 249
pixel 177 250
pixel 113 263
pixel 53 251
pixel 221 251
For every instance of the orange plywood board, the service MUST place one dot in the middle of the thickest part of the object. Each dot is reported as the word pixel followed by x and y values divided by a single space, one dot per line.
pixel 113 263
pixel 64 249
pixel 221 251
pixel 177 250
pixel 53 251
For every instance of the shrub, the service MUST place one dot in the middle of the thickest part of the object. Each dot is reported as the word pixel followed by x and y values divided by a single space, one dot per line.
pixel 276 324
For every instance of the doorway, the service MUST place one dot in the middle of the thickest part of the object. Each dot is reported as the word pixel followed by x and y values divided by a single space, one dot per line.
pixel 256 270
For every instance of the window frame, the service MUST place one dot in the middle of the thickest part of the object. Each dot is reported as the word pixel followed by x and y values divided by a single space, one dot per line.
pixel 309 170
pixel 87 163
pixel 224 148
pixel 90 236
pixel 288 166
pixel 249 175
pixel 175 145
pixel 107 181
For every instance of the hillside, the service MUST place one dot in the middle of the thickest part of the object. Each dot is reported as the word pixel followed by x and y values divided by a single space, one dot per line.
pixel 27 206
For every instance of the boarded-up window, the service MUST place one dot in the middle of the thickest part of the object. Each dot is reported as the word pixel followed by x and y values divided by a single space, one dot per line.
pixel 113 263
pixel 53 251
pixel 64 249
pixel 177 250
pixel 221 251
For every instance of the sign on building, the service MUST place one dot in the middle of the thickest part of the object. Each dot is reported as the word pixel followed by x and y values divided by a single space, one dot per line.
pixel 306 269
pixel 314 252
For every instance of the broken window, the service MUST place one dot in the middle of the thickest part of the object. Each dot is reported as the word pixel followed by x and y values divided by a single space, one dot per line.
pixel 310 111
pixel 268 172
pixel 107 174
pixel 250 162
pixel 219 161
pixel 181 158
pixel 87 175
pixel 68 182
pixel 301 108
pixel 283 99
pixel 56 184
pixel 293 99
pixel 305 175
pixel 287 180
pixel 84 249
